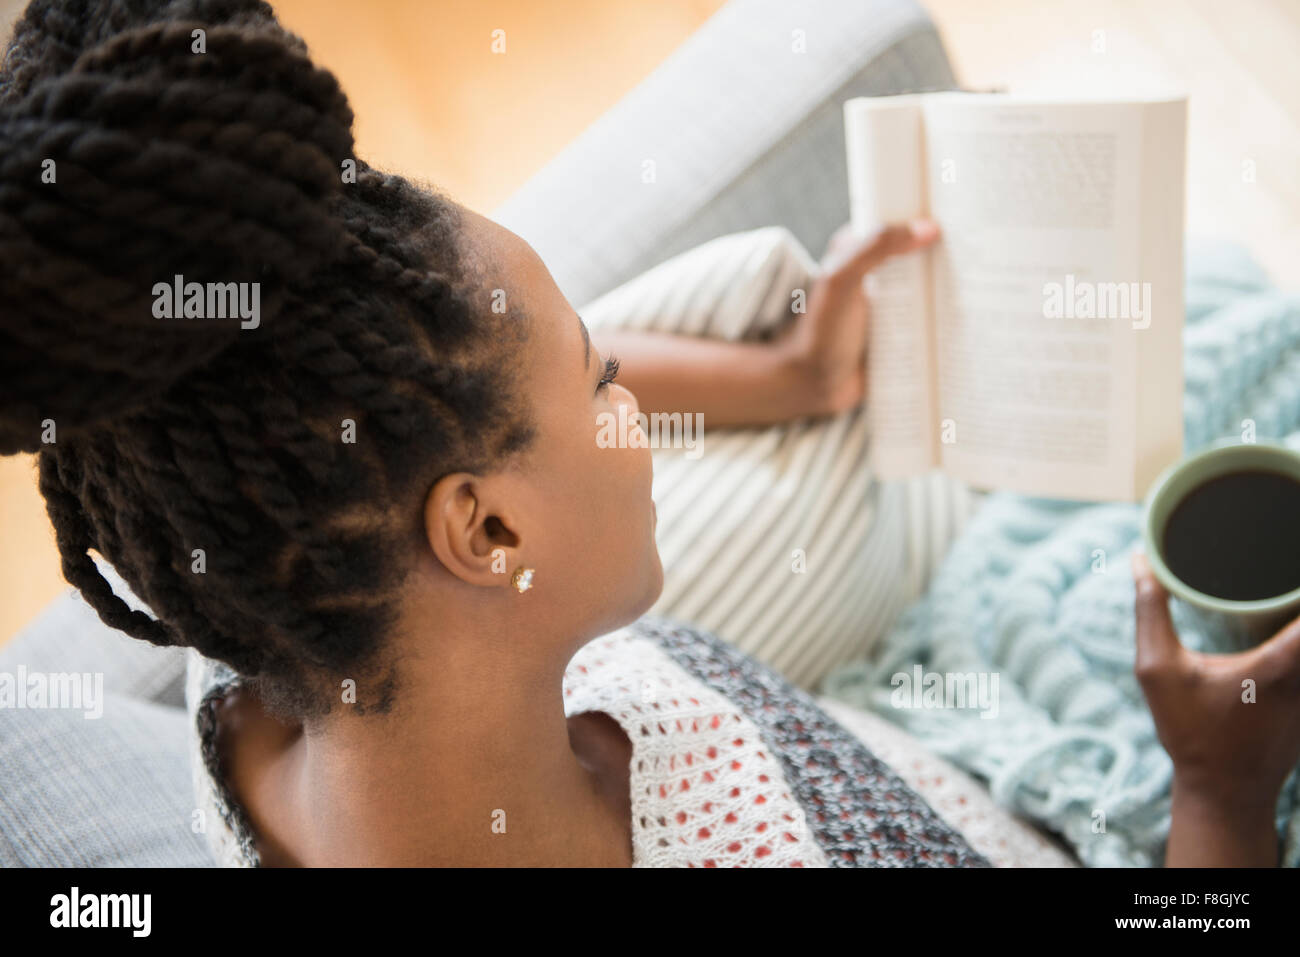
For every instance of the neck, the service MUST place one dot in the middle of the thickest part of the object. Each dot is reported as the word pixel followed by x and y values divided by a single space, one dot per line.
pixel 474 765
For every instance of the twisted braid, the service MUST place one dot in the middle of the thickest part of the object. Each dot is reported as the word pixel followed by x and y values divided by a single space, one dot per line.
pixel 181 437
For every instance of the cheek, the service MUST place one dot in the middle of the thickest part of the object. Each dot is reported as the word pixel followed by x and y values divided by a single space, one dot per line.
pixel 626 472
pixel 622 467
pixel 602 516
pixel 643 520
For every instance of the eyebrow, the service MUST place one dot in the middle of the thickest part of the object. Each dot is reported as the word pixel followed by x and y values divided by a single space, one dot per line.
pixel 586 343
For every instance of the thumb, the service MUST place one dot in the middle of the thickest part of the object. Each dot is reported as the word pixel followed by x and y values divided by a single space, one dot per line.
pixel 1282 652
pixel 1157 641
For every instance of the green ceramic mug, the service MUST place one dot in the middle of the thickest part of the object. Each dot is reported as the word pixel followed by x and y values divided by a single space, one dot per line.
pixel 1245 622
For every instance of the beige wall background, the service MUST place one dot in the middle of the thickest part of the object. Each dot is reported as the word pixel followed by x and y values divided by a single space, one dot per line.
pixel 434 102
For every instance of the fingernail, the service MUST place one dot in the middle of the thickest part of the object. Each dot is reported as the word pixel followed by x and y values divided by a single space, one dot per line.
pixel 924 229
pixel 1141 567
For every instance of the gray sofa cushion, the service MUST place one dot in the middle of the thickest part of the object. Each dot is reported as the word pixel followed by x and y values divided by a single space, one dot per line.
pixel 68 636
pixel 109 791
pixel 744 133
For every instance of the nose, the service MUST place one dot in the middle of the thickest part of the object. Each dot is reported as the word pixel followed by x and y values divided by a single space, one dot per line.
pixel 632 415
pixel 628 398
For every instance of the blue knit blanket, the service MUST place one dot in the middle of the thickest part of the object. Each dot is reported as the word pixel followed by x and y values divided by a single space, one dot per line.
pixel 1040 592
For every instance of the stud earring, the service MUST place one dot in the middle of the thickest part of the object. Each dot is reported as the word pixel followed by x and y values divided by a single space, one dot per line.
pixel 522 579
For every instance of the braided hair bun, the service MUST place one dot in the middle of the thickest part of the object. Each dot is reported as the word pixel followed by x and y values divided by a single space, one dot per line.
pixel 128 159
pixel 207 459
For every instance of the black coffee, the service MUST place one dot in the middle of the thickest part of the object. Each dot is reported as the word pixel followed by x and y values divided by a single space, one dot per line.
pixel 1237 536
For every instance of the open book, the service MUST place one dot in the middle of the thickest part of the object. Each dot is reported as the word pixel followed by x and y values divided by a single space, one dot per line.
pixel 1037 347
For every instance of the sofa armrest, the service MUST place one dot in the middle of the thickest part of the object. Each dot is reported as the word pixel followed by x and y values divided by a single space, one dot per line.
pixel 741 127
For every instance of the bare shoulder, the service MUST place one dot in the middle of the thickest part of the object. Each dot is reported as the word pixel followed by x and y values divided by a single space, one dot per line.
pixel 601 744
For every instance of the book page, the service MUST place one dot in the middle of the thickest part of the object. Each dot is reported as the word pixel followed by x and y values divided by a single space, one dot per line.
pixel 886 167
pixel 1044 293
pixel 1159 361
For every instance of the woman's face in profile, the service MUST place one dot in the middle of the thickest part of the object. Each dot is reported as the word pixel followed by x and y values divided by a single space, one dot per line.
pixel 581 492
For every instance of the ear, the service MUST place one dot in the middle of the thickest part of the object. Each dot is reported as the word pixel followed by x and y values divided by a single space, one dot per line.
pixel 472 529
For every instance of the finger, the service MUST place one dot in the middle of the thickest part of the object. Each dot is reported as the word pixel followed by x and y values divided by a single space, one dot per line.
pixel 1157 640
pixel 892 240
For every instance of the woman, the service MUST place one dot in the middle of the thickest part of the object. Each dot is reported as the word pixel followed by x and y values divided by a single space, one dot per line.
pixel 380 511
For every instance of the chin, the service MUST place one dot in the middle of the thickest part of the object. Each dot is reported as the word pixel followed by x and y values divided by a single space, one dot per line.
pixel 654 584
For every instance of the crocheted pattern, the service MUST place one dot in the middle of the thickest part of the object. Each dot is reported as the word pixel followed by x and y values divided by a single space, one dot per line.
pixel 226 825
pixel 1039 593
pixel 860 812
pixel 704 789
pixel 732 765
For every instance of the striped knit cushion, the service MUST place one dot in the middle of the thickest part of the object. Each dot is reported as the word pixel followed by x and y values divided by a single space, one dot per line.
pixel 777 539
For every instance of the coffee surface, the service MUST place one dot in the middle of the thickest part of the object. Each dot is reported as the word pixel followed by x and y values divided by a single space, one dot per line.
pixel 1237 536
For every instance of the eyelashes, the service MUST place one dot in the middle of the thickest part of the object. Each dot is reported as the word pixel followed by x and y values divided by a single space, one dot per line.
pixel 610 373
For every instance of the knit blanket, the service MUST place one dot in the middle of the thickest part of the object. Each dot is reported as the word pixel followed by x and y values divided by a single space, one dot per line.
pixel 1040 593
